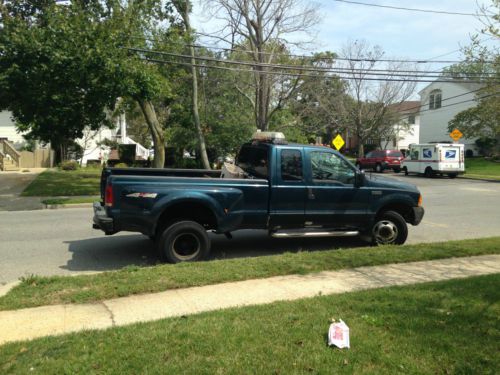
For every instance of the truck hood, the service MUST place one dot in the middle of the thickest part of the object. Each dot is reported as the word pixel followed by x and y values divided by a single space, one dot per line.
pixel 373 180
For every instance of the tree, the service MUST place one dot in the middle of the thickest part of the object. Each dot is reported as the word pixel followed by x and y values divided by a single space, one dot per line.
pixel 184 8
pixel 320 99
pixel 64 65
pixel 482 63
pixel 44 79
pixel 369 114
pixel 261 27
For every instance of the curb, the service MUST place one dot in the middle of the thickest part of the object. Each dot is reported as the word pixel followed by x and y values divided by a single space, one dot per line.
pixel 74 205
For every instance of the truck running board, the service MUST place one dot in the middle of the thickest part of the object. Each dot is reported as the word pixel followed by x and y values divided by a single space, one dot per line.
pixel 316 234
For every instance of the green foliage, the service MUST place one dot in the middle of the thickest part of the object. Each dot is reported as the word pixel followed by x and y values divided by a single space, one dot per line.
pixel 127 153
pixel 69 165
pixel 63 65
pixel 486 145
pixel 121 165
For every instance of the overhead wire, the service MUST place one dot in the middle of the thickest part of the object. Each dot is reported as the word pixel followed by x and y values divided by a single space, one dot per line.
pixel 351 72
pixel 408 9
pixel 333 58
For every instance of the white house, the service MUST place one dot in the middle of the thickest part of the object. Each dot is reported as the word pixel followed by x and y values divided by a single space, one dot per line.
pixel 8 130
pixel 441 101
pixel 408 127
pixel 93 149
pixel 90 142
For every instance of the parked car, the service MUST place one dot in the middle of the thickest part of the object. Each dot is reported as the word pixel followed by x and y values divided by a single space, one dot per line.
pixel 379 160
pixel 290 190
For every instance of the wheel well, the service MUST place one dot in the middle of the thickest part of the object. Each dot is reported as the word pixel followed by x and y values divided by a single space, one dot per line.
pixel 404 210
pixel 187 211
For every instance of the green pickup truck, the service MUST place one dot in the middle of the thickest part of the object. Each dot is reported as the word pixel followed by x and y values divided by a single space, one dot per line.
pixel 291 190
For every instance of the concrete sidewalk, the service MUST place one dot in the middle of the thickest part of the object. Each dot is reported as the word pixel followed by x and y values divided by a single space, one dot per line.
pixel 60 319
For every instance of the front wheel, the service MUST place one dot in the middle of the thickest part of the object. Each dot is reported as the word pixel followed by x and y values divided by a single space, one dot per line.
pixel 428 172
pixel 452 175
pixel 378 168
pixel 405 170
pixel 184 241
pixel 389 229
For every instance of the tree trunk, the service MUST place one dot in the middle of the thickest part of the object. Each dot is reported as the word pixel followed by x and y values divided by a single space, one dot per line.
pixel 156 132
pixel 196 115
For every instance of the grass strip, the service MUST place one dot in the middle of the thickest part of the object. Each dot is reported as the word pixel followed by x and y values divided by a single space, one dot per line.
pixel 482 168
pixel 37 291
pixel 450 327
pixel 52 183
pixel 65 200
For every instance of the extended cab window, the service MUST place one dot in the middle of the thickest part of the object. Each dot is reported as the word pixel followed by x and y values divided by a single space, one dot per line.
pixel 328 167
pixel 253 160
pixel 291 165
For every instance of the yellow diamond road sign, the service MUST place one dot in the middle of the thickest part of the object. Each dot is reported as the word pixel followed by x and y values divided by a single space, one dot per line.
pixel 338 142
pixel 456 134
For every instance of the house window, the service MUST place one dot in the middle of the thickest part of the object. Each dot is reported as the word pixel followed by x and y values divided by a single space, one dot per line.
pixel 411 119
pixel 435 99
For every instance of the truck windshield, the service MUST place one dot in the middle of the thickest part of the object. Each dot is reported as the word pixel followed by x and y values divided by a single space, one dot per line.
pixel 254 161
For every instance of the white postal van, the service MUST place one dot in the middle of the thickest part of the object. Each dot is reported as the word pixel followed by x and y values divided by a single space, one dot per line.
pixel 435 159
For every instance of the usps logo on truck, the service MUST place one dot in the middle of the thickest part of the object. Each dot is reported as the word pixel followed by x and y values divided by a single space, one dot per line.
pixel 427 152
pixel 450 154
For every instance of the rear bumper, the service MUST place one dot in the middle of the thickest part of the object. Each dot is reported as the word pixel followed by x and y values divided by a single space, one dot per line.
pixel 101 219
pixel 418 214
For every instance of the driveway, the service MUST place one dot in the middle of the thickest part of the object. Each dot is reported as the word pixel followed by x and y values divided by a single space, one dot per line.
pixel 11 186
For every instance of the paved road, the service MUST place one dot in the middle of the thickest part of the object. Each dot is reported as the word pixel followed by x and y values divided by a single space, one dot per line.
pixel 61 242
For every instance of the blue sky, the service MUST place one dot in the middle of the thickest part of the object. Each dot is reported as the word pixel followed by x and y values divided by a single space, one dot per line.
pixel 401 34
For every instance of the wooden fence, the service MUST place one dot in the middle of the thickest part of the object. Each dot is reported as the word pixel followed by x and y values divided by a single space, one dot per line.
pixel 41 158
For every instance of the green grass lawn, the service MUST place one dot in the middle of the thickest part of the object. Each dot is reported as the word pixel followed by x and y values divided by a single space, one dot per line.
pixel 53 183
pixel 450 327
pixel 38 291
pixel 482 168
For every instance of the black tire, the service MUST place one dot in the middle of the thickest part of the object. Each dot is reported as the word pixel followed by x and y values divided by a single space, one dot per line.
pixel 184 241
pixel 389 229
pixel 405 170
pixel 452 175
pixel 428 172
pixel 397 170
pixel 378 168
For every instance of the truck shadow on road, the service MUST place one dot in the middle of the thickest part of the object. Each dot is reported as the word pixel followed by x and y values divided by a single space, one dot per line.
pixel 115 252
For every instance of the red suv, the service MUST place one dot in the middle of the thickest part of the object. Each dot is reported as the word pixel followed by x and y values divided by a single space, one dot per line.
pixel 380 160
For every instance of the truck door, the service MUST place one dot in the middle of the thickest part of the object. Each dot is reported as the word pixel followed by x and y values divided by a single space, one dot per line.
pixel 333 201
pixel 288 192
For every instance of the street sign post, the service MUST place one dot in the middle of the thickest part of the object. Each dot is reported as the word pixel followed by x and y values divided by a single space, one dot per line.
pixel 338 142
pixel 456 135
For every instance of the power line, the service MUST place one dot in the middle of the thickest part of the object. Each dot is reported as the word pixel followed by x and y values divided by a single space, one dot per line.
pixel 445 99
pixel 289 74
pixel 408 9
pixel 298 68
pixel 452 104
pixel 325 58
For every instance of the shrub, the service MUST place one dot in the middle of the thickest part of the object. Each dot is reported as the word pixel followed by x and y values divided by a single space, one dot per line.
pixel 121 165
pixel 69 165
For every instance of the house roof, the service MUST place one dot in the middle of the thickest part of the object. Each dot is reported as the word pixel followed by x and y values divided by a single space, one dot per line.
pixel 410 106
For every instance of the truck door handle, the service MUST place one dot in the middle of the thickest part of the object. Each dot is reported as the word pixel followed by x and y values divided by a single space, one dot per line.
pixel 310 194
